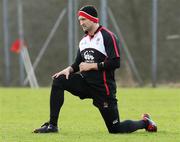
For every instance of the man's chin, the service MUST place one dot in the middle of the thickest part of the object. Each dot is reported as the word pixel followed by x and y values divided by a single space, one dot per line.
pixel 85 31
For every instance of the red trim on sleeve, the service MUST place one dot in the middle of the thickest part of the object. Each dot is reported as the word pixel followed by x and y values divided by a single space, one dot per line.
pixel 114 42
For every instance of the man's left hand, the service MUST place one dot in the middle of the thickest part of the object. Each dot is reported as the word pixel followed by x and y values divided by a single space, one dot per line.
pixel 87 66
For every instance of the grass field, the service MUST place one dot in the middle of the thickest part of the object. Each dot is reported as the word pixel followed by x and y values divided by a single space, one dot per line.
pixel 22 110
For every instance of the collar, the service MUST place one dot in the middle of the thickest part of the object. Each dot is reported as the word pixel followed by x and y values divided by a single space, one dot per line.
pixel 98 29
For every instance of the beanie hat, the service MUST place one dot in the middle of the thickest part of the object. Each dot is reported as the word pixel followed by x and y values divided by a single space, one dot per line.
pixel 89 12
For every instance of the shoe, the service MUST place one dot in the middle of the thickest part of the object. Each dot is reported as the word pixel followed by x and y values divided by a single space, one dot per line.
pixel 151 125
pixel 46 128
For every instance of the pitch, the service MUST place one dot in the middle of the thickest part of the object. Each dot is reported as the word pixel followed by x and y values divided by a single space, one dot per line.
pixel 22 110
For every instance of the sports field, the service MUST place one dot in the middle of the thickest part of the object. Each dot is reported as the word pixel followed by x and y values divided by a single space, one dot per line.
pixel 22 110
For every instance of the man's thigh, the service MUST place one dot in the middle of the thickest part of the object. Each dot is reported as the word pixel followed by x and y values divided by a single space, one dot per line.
pixel 75 84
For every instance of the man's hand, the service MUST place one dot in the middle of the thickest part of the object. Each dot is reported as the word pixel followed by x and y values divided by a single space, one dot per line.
pixel 65 72
pixel 88 66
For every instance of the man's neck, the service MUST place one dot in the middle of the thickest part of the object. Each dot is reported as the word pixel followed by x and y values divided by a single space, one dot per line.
pixel 94 29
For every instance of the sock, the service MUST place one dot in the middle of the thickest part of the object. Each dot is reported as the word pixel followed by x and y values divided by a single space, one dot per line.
pixel 56 102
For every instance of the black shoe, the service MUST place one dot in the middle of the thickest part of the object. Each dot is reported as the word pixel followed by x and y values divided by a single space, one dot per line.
pixel 46 128
pixel 151 125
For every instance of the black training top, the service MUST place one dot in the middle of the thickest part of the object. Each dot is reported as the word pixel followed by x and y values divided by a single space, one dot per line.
pixel 102 48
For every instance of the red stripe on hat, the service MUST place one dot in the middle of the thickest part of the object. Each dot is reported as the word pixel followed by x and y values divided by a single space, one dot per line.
pixel 88 16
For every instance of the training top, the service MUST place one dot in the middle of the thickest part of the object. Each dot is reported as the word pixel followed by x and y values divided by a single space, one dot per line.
pixel 101 48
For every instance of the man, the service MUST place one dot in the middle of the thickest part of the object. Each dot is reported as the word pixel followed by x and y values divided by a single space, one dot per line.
pixel 92 76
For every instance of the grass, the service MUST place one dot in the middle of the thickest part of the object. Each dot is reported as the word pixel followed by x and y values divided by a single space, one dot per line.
pixel 22 110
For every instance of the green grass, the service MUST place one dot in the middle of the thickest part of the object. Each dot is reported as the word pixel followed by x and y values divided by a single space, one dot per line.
pixel 22 110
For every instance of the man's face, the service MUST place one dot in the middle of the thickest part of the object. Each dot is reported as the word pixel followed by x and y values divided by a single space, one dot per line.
pixel 85 23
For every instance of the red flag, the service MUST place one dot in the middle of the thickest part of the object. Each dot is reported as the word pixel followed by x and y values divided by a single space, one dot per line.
pixel 16 46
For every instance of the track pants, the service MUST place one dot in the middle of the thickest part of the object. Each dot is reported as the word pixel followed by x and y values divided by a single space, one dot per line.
pixel 79 87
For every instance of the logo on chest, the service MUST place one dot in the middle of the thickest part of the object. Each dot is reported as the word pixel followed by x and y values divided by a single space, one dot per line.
pixel 89 56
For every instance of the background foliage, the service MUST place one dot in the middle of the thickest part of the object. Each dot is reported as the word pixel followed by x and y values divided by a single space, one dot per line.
pixel 134 19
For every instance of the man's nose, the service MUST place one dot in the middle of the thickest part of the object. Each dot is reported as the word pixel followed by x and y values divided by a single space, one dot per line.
pixel 81 23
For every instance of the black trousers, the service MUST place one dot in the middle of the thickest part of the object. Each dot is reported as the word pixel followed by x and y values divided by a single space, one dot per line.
pixel 78 86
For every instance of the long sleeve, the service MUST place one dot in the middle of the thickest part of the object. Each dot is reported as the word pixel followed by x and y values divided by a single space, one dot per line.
pixel 109 64
pixel 78 60
pixel 112 48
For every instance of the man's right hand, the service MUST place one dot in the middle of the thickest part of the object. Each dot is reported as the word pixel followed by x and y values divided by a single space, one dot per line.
pixel 65 72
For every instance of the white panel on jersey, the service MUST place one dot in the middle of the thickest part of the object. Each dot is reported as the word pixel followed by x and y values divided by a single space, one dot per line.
pixel 96 43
